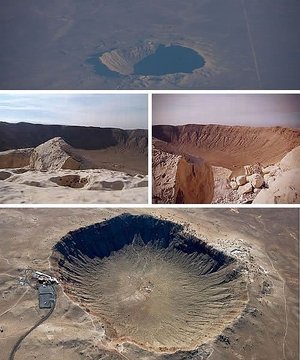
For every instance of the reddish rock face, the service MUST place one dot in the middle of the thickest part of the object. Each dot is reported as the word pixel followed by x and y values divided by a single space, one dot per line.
pixel 194 182
pixel 231 147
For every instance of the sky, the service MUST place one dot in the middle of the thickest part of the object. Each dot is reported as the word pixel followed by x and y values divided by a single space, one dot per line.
pixel 126 111
pixel 245 110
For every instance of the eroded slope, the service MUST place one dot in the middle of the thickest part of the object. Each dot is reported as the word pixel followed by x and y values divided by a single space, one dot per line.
pixel 227 146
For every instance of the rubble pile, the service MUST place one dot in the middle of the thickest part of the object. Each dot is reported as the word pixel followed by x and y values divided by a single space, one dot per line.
pixel 255 178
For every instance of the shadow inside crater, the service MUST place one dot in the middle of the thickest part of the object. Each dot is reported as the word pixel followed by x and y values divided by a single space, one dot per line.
pixel 102 239
pixel 169 60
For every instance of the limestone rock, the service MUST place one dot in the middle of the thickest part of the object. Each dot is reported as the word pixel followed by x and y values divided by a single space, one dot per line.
pixel 271 179
pixel 285 189
pixel 270 170
pixel 233 185
pixel 245 189
pixel 257 181
pixel 241 180
pixel 291 160
pixel 56 154
pixel 266 178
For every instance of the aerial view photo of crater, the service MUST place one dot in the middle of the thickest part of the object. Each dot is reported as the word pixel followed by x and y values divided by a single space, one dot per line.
pixel 168 284
pixel 141 44
pixel 73 148
pixel 224 149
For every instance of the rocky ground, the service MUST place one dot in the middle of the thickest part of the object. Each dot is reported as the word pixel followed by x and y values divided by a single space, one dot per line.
pixel 244 170
pixel 278 183
pixel 55 172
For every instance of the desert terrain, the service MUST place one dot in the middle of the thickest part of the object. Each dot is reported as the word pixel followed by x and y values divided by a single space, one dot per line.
pixel 72 164
pixel 97 44
pixel 132 286
pixel 225 164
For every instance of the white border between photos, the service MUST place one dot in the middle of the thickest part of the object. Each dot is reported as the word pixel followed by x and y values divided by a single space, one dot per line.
pixel 149 93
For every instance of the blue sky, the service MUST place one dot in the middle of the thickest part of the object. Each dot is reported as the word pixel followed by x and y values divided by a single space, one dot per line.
pixel 246 110
pixel 126 111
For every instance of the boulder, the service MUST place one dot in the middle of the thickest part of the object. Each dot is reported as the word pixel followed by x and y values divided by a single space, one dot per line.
pixel 245 189
pixel 285 189
pixel 291 160
pixel 241 180
pixel 268 179
pixel 272 169
pixel 257 181
pixel 233 185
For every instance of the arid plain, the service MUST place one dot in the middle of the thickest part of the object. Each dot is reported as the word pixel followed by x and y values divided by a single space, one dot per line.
pixel 58 44
pixel 246 261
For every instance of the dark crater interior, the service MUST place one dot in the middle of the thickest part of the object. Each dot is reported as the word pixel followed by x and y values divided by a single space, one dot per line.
pixel 150 282
pixel 147 59
pixel 169 60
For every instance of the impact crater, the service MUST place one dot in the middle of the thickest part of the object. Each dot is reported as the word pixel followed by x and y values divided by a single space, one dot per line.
pixel 151 282
pixel 147 59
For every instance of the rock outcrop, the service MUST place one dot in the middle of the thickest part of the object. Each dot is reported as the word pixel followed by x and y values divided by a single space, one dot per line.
pixel 164 175
pixel 56 154
pixel 194 182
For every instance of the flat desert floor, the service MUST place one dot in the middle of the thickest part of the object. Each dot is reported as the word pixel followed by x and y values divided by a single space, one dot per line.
pixel 265 242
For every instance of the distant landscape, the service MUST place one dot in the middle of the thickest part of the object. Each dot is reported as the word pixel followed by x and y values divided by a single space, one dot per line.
pixel 67 44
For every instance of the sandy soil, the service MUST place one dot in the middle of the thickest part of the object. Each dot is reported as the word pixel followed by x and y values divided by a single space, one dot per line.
pixel 266 241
